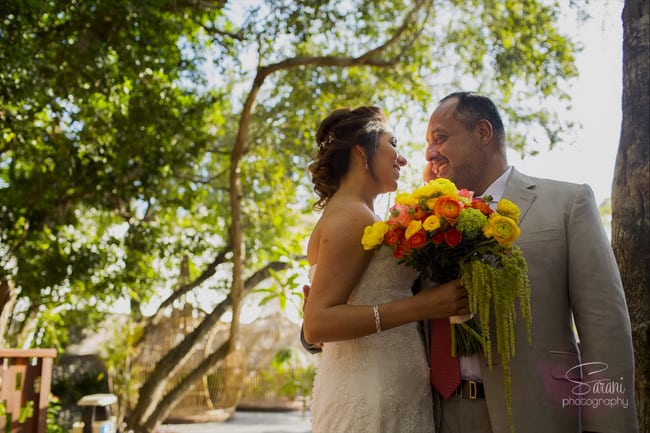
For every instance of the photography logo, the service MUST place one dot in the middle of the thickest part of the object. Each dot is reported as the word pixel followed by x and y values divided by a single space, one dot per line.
pixel 595 393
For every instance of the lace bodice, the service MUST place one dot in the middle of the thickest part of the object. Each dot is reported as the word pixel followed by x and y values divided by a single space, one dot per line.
pixel 377 383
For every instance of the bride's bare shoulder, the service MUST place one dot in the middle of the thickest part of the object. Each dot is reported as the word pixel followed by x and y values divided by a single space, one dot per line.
pixel 341 223
pixel 346 217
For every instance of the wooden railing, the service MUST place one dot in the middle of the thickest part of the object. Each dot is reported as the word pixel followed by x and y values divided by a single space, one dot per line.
pixel 25 379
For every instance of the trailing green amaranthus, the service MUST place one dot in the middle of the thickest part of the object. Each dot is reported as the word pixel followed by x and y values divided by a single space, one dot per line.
pixel 495 285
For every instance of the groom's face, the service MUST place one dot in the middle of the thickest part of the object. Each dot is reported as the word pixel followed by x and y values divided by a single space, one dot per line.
pixel 452 151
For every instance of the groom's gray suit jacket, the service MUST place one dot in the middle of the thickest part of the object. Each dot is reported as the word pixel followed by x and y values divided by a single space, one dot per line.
pixel 574 279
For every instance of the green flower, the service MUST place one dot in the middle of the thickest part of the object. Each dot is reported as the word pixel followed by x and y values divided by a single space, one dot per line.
pixel 471 220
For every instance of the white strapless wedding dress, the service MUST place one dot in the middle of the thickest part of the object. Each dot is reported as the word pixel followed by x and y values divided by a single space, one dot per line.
pixel 378 383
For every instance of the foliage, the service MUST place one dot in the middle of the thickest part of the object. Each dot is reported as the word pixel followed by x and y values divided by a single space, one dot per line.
pixel 70 388
pixel 26 412
pixel 94 145
pixel 114 158
pixel 53 409
pixel 286 377
pixel 120 365
pixel 147 147
pixel 300 378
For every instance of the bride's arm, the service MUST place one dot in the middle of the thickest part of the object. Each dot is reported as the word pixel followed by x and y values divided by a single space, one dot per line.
pixel 341 262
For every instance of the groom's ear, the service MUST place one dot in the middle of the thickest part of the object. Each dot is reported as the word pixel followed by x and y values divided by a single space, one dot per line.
pixel 485 131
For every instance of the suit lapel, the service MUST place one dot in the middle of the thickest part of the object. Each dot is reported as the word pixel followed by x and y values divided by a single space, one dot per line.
pixel 519 190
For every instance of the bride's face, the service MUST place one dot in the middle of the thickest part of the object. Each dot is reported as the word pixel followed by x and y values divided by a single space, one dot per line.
pixel 387 162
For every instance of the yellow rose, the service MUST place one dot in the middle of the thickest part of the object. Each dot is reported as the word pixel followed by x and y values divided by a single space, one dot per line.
pixel 406 199
pixel 426 190
pixel 431 223
pixel 431 203
pixel 373 235
pixel 414 227
pixel 444 186
pixel 508 209
pixel 503 229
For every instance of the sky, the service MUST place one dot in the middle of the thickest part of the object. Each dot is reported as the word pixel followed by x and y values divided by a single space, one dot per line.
pixel 596 97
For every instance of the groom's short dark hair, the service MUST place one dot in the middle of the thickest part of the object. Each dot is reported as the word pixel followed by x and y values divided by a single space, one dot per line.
pixel 472 107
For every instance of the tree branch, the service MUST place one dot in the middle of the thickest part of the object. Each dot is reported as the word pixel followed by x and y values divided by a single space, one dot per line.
pixel 239 36
pixel 369 58
pixel 208 272
pixel 180 354
pixel 265 272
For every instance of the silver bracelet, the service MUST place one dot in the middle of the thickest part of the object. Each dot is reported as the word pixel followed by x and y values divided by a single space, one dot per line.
pixel 375 310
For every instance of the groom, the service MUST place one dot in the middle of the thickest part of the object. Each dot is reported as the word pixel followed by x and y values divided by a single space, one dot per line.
pixel 578 374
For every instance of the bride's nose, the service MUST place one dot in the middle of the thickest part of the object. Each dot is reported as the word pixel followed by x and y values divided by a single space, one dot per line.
pixel 401 160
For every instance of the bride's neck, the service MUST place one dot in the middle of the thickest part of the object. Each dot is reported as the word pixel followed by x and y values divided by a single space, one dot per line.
pixel 354 194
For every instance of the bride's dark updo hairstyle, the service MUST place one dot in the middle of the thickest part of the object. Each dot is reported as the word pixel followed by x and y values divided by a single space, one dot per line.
pixel 335 140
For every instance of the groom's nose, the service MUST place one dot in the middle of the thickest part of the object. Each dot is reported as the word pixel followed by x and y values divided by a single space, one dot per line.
pixel 430 153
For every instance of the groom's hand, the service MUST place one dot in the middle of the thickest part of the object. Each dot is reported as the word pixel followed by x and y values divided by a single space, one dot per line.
pixel 311 347
pixel 429 173
pixel 305 292
pixel 448 299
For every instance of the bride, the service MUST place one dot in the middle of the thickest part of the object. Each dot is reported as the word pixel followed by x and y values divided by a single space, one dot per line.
pixel 373 374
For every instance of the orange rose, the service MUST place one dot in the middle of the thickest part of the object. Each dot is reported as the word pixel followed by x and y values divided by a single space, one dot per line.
pixel 438 237
pixel 453 237
pixel 418 239
pixel 418 213
pixel 393 236
pixel 402 250
pixel 481 205
pixel 449 208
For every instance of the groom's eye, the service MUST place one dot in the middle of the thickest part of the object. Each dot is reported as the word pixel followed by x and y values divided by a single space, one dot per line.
pixel 439 139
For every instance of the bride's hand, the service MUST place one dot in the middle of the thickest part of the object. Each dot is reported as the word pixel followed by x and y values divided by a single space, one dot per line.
pixel 448 299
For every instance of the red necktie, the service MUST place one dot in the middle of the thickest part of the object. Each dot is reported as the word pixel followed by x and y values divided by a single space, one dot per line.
pixel 445 370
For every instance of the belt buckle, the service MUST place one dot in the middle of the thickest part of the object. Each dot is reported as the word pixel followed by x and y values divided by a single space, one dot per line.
pixel 473 390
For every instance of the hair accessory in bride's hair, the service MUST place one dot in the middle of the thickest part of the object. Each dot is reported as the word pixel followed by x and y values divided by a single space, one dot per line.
pixel 375 126
pixel 326 141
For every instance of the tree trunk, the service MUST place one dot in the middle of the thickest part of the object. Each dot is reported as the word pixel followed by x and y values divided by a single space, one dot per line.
pixel 145 415
pixel 631 191
pixel 7 301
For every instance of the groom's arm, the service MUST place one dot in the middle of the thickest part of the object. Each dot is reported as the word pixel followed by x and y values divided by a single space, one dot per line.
pixel 417 285
pixel 309 347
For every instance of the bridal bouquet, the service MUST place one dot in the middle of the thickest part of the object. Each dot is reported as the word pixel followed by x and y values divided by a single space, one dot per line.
pixel 446 233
